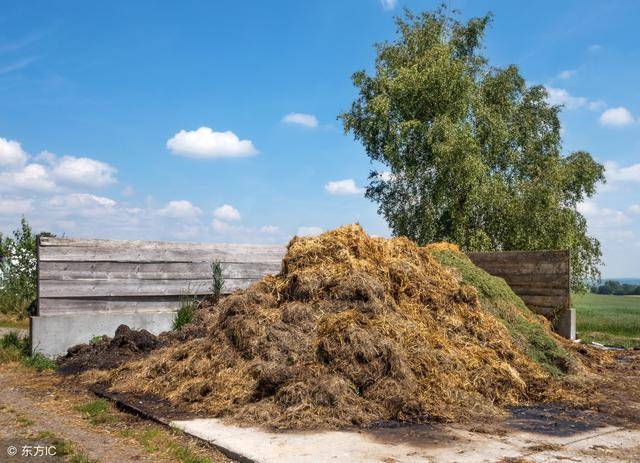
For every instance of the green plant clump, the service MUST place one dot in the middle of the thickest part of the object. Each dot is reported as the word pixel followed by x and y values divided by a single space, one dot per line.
pixel 185 313
pixel 14 348
pixel 497 297
pixel 96 411
pixel 217 281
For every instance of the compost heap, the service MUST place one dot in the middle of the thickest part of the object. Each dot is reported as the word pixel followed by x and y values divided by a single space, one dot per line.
pixel 358 330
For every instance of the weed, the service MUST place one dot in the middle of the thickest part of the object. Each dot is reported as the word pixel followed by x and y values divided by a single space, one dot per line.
pixel 185 454
pixel 96 411
pixel 14 348
pixel 96 340
pixel 81 458
pixel 38 362
pixel 217 280
pixel 13 340
pixel 185 313
pixel 24 422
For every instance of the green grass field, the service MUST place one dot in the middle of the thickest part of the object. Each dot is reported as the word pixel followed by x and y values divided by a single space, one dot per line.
pixel 610 320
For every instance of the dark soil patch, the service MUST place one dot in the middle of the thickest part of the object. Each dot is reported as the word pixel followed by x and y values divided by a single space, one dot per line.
pixel 108 353
pixel 127 344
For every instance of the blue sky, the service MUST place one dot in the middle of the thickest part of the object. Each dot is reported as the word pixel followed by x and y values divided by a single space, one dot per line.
pixel 216 121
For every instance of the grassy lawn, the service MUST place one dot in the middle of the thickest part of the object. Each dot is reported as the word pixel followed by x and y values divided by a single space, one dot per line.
pixel 611 320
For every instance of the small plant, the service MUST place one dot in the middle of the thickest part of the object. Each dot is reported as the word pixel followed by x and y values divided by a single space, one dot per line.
pixel 12 340
pixel 14 348
pixel 96 411
pixel 95 340
pixel 217 279
pixel 185 313
pixel 39 362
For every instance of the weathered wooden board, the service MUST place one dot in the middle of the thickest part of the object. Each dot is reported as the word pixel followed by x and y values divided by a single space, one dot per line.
pixel 540 278
pixel 135 287
pixel 56 270
pixel 55 249
pixel 109 304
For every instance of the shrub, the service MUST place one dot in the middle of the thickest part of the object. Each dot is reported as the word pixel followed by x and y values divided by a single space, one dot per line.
pixel 18 271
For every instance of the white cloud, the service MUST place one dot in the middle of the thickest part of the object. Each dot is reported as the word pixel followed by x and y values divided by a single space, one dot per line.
pixel 204 143
pixel 343 187
pixel 180 209
pixel 596 105
pixel 308 120
pixel 34 177
pixel 46 157
pixel 616 117
pixel 220 226
pixel 635 209
pixel 309 231
pixel 128 191
pixel 82 205
pixel 11 153
pixel 601 217
pixel 615 173
pixel 15 206
pixel 566 74
pixel 388 4
pixel 82 199
pixel 559 96
pixel 226 212
pixel 595 48
pixel 83 171
pixel 269 229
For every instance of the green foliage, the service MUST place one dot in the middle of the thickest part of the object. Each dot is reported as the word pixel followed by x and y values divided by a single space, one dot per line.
pixel 470 153
pixel 217 280
pixel 38 362
pixel 96 340
pixel 616 288
pixel 608 319
pixel 14 348
pixel 13 340
pixel 96 411
pixel 18 277
pixel 497 297
pixel 185 313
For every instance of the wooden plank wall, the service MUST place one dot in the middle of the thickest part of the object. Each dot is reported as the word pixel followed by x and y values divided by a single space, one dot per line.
pixel 81 276
pixel 540 278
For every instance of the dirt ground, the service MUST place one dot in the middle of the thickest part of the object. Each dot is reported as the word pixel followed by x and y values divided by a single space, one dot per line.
pixel 46 404
pixel 37 405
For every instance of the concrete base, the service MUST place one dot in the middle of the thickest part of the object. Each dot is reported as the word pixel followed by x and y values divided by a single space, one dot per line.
pixel 52 335
pixel 443 444
pixel 566 326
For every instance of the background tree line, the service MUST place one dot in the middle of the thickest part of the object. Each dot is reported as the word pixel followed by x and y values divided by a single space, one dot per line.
pixel 616 288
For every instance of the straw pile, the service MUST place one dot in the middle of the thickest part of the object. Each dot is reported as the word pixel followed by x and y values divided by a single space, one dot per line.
pixel 355 331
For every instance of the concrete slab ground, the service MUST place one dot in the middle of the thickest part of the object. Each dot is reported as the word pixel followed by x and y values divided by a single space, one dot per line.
pixel 410 444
